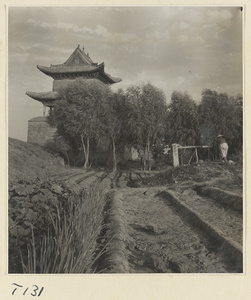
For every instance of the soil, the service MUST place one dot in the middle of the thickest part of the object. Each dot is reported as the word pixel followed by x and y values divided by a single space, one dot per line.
pixel 160 241
pixel 160 237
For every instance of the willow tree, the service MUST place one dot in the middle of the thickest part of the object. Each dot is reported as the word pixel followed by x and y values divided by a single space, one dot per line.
pixel 146 117
pixel 183 119
pixel 113 123
pixel 79 112
pixel 222 114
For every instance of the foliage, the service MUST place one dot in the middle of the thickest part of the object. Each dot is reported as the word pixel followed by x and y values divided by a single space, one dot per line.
pixel 221 114
pixel 113 123
pixel 78 114
pixel 89 114
pixel 59 232
pixel 182 119
pixel 146 117
pixel 62 147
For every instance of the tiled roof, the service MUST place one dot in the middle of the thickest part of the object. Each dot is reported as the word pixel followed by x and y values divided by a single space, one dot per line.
pixel 43 96
pixel 63 69
pixel 77 65
pixel 79 57
pixel 111 78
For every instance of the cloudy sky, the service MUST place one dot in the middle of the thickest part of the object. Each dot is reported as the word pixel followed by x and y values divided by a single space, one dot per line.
pixel 175 48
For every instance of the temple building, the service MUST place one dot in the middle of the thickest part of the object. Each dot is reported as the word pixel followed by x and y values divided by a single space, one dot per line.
pixel 78 65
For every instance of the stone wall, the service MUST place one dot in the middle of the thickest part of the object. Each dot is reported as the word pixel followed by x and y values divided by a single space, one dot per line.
pixel 40 131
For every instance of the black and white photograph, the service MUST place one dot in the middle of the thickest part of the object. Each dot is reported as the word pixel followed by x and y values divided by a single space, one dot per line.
pixel 125 140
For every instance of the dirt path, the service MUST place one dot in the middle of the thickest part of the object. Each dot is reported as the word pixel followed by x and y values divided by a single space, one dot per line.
pixel 161 239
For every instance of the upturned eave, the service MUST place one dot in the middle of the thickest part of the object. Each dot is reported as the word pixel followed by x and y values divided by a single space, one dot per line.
pixel 64 70
pixel 43 96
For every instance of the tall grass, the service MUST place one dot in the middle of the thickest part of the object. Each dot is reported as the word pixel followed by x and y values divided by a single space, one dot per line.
pixel 69 245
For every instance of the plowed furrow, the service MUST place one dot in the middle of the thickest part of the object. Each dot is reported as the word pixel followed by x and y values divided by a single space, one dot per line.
pixel 161 239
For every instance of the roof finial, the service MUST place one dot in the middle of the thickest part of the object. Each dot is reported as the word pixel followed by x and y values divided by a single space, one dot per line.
pixel 83 49
pixel 78 45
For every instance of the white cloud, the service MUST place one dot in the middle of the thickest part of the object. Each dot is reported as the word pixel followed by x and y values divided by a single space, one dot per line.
pixel 22 51
pixel 183 38
pixel 197 40
pixel 61 25
pixel 114 37
pixel 34 22
pixel 219 15
pixel 213 30
pixel 100 31
pixel 45 25
pixel 157 34
pixel 183 25
pixel 19 57
pixel 181 80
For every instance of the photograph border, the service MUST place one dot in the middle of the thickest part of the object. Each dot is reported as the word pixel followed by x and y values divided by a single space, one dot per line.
pixel 125 286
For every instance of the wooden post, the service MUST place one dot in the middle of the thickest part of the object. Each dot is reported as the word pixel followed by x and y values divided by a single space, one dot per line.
pixel 175 155
pixel 196 155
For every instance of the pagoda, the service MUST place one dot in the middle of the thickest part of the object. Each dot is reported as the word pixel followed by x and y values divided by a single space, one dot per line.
pixel 78 65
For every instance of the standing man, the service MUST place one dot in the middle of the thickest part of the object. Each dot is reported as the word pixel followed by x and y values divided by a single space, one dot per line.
pixel 223 147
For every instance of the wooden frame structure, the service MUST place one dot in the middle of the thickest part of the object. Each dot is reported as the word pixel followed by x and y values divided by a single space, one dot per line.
pixel 177 147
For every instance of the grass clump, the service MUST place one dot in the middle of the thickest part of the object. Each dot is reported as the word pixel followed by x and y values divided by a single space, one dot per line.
pixel 69 244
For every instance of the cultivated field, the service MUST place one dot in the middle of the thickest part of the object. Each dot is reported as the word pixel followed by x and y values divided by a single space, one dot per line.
pixel 183 220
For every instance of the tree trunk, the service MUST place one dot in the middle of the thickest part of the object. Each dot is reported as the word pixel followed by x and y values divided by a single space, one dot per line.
pixel 148 153
pixel 114 155
pixel 145 164
pixel 68 160
pixel 86 151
